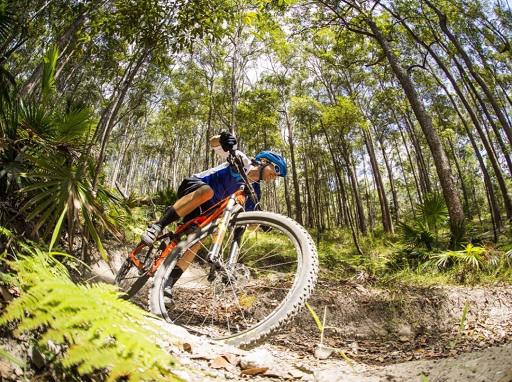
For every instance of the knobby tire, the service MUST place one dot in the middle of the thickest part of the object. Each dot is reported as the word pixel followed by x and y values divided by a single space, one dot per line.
pixel 305 276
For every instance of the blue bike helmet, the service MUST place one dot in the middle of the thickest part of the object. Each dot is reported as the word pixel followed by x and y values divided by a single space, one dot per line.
pixel 276 159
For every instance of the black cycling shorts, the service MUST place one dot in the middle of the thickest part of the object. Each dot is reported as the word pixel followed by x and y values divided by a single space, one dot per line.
pixel 189 185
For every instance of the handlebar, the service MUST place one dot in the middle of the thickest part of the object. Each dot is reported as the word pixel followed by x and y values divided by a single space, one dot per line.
pixel 235 160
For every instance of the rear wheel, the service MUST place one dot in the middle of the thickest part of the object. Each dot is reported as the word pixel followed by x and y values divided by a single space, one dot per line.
pixel 129 278
pixel 273 276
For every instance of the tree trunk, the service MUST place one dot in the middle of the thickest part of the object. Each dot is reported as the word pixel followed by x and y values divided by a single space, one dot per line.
pixel 426 185
pixel 471 88
pixel 367 196
pixel 361 219
pixel 493 205
pixel 62 42
pixel 406 182
pixel 488 148
pixel 309 202
pixel 396 212
pixel 295 178
pixel 455 211
pixel 341 194
pixel 387 223
pixel 461 177
pixel 465 57
pixel 411 163
pixel 109 122
pixel 209 123
pixel 287 197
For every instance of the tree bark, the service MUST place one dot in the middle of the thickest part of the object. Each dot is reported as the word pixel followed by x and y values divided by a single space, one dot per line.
pixel 455 210
pixel 411 163
pixel 404 174
pixel 443 23
pixel 295 178
pixel 426 185
pixel 488 148
pixel 109 122
pixel 461 177
pixel 361 219
pixel 387 223
pixel 63 42
pixel 472 115
pixel 493 205
pixel 396 212
pixel 471 88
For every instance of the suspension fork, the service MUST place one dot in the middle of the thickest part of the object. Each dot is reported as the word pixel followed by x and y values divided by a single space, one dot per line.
pixel 222 227
pixel 235 247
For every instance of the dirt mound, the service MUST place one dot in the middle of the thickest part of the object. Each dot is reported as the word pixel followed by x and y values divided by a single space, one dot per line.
pixel 377 325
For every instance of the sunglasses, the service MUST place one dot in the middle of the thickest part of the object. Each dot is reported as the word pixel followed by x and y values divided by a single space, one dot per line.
pixel 276 168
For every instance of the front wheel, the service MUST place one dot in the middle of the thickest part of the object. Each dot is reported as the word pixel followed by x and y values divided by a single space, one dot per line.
pixel 274 273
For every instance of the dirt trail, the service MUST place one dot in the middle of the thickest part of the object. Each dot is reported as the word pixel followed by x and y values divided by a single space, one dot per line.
pixel 400 333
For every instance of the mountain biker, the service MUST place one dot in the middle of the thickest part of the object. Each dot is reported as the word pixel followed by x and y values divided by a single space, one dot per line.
pixel 202 190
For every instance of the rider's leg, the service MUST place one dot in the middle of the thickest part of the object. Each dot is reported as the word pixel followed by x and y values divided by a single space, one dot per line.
pixel 189 202
pixel 188 257
pixel 183 263
pixel 186 204
pixel 182 207
pixel 192 193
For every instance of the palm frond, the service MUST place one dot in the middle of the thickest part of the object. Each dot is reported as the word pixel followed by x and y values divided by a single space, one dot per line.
pixel 74 127
pixel 7 84
pixel 434 210
pixel 444 259
pixel 417 234
pixel 471 256
pixel 56 186
pixel 35 120
pixel 7 22
pixel 48 85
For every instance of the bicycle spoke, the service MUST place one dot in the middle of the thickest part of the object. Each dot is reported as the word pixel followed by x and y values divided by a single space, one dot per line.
pixel 268 256
pixel 241 296
pixel 276 265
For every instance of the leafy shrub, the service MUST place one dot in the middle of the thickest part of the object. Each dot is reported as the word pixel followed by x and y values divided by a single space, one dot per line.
pixel 99 332
pixel 406 259
pixel 166 197
pixel 472 257
pixel 47 170
pixel 424 229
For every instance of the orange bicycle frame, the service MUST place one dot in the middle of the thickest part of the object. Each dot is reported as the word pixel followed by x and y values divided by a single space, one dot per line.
pixel 201 221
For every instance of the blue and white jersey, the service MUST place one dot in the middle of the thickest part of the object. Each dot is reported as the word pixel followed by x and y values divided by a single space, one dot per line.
pixel 225 180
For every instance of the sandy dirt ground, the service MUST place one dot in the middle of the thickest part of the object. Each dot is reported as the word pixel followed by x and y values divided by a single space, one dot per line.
pixel 397 333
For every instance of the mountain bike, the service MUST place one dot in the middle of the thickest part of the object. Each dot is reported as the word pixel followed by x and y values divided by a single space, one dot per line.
pixel 249 272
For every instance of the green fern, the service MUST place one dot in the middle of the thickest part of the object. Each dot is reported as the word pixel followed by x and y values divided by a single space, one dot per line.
pixel 5 232
pixel 48 84
pixel 99 331
pixel 57 189
pixel 434 211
